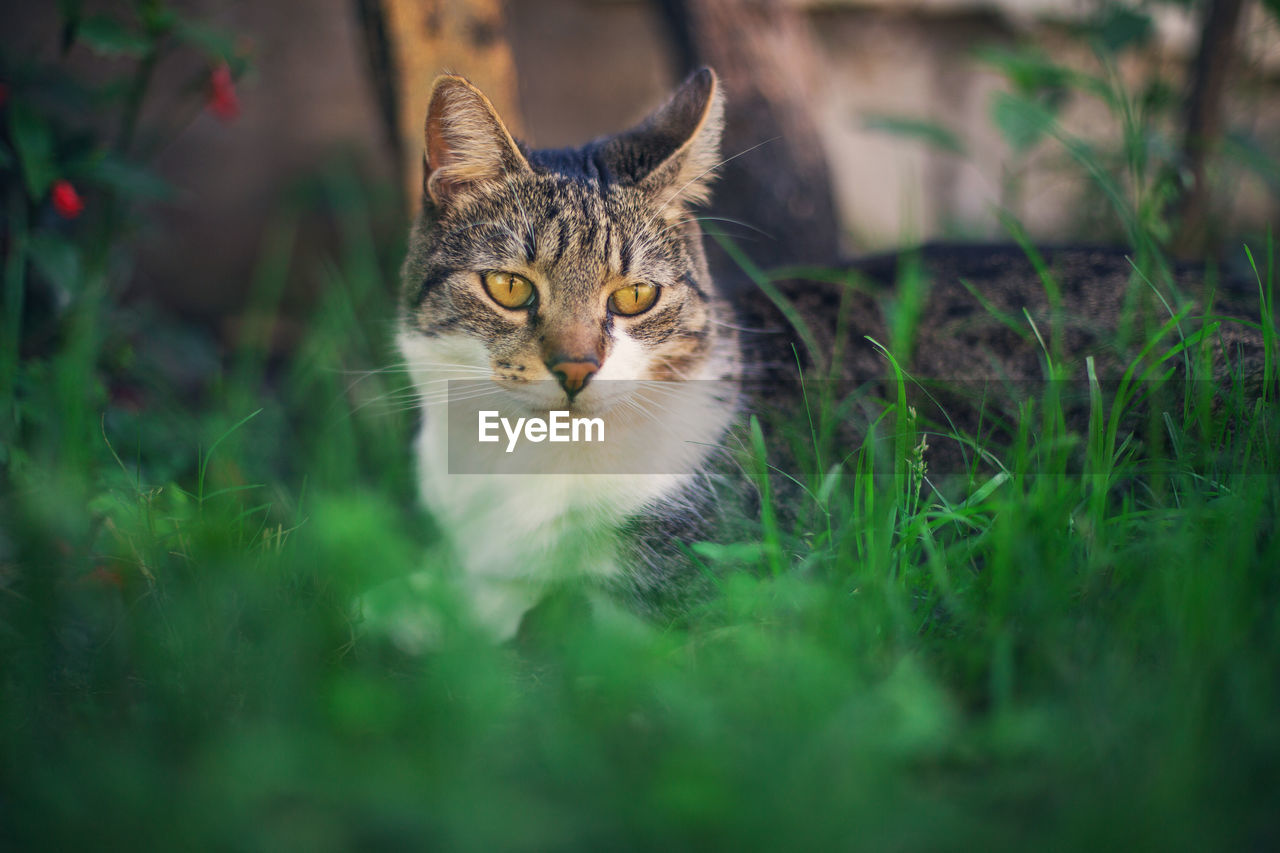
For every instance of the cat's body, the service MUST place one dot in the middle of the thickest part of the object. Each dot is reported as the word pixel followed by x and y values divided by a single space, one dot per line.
pixel 527 274
pixel 576 279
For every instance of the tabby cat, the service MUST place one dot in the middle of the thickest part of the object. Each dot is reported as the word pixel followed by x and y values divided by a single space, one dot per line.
pixel 570 280
pixel 575 280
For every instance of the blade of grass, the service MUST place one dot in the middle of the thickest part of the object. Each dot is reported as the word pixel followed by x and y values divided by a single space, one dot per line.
pixel 203 457
pixel 768 516
pixel 780 301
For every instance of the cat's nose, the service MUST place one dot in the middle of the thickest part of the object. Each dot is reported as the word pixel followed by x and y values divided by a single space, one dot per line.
pixel 573 375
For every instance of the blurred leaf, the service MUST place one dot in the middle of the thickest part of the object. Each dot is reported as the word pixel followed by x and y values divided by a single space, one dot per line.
pixel 128 178
pixel 109 37
pixel 1272 6
pixel 1026 70
pixel 1122 27
pixel 1029 73
pixel 115 91
pixel 33 139
pixel 211 40
pixel 6 157
pixel 361 703
pixel 734 553
pixel 57 259
pixel 1159 96
pixel 1021 121
pixel 157 19
pixel 923 130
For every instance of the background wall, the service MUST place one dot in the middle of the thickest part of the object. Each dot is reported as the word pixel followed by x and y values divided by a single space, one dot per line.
pixel 586 67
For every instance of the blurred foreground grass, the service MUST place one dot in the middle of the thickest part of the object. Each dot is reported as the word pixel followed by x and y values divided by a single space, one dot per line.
pixel 1058 659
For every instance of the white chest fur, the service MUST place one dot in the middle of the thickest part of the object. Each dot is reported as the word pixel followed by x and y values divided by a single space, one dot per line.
pixel 512 534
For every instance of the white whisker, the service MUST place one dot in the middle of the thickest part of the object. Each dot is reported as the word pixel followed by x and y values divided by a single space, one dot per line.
pixel 703 174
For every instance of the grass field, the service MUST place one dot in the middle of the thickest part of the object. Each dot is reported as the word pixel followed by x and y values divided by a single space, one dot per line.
pixel 1062 659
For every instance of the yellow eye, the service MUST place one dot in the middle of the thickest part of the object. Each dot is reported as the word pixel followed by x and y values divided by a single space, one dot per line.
pixel 633 299
pixel 508 289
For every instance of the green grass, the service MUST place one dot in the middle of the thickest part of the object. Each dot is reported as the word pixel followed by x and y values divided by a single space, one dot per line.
pixel 1060 659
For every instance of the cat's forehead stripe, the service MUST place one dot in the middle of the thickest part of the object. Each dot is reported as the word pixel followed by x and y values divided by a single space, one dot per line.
pixel 624 254
pixel 588 224
pixel 562 242
pixel 530 244
pixel 609 245
pixel 577 231
pixel 576 224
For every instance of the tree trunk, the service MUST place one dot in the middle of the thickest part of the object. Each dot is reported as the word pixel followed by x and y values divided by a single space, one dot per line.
pixel 1203 127
pixel 417 40
pixel 775 175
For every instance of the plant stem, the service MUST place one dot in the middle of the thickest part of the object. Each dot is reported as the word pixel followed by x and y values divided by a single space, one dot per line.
pixel 14 294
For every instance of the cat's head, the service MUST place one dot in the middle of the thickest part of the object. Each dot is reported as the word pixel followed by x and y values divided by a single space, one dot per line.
pixel 549 272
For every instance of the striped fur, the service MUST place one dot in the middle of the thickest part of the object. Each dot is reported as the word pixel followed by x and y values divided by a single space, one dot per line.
pixel 578 224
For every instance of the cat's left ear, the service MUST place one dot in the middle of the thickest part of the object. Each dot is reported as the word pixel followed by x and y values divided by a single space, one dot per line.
pixel 467 145
pixel 674 152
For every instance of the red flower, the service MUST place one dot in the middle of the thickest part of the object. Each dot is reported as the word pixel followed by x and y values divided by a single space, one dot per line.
pixel 223 102
pixel 4 93
pixel 66 200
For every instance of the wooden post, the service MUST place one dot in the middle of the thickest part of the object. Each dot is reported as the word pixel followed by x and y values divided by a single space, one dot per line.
pixel 427 38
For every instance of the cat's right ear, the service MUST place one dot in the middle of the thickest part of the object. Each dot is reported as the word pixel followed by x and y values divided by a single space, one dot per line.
pixel 467 145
